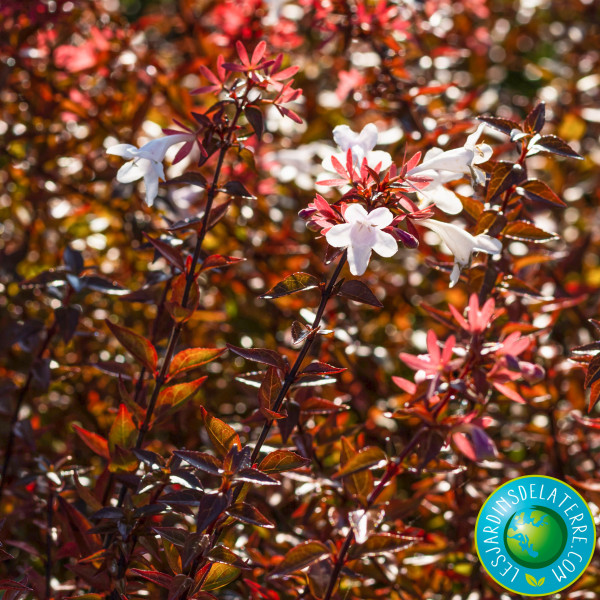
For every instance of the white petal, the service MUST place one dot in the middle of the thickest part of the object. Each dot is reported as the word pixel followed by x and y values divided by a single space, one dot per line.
pixel 483 153
pixel 443 198
pixel 379 157
pixel 339 235
pixel 130 171
pixel 382 217
pixel 455 275
pixel 151 181
pixel 432 153
pixel 344 137
pixel 124 150
pixel 358 259
pixel 355 213
pixel 156 149
pixel 474 137
pixel 457 160
pixel 367 139
pixel 486 243
pixel 363 235
pixel 459 242
pixel 385 244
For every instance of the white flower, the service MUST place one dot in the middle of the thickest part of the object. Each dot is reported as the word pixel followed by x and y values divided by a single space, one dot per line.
pixel 362 233
pixel 361 145
pixel 459 160
pixel 462 244
pixel 146 162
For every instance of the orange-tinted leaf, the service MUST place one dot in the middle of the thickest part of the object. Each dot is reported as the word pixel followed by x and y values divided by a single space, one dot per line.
pixel 176 395
pixel 538 191
pixel 192 358
pixel 379 543
pixel 181 311
pixel 222 436
pixel 367 458
pixel 527 232
pixel 219 576
pixel 301 557
pixel 123 430
pixel 282 460
pixel 246 513
pixel 291 285
pixel 93 441
pixel 138 346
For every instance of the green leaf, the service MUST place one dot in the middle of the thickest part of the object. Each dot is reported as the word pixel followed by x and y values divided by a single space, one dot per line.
pixel 367 458
pixel 282 460
pixel 175 395
pixel 138 346
pixel 219 576
pixel 291 285
pixel 222 436
pixel 123 430
pixel 96 443
pixel 524 231
pixel 359 292
pixel 301 557
pixel 246 513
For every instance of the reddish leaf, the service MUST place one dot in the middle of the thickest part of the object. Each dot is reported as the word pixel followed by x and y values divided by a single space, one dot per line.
pixel 192 358
pixel 175 395
pixel 235 188
pixel 291 285
pixel 201 460
pixel 282 460
pixel 172 255
pixel 593 371
pixel 527 232
pixel 217 261
pixel 555 145
pixel 380 543
pixel 222 436
pixel 359 292
pixel 93 441
pixel 246 513
pixel 321 368
pixel 536 118
pixel 301 557
pixel 179 309
pixel 503 125
pixel 138 346
pixel 255 476
pixel 269 388
pixel 260 355
pixel 367 458
pixel 161 579
pixel 538 191
pixel 504 176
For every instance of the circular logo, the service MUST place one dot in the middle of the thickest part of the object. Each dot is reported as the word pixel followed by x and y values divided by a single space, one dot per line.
pixel 535 535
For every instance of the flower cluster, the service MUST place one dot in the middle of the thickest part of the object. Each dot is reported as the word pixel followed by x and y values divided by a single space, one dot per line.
pixel 380 203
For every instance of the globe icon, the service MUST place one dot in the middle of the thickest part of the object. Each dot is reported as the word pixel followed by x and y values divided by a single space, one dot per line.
pixel 535 536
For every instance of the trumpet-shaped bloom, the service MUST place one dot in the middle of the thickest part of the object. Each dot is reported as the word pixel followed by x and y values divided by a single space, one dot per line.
pixel 361 145
pixel 146 162
pixel 458 160
pixel 361 234
pixel 462 244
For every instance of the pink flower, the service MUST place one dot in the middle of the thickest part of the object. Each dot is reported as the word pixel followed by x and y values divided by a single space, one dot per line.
pixel 477 319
